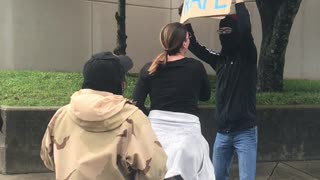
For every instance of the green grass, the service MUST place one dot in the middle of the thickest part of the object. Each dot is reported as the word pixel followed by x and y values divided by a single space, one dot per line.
pixel 295 92
pixel 30 88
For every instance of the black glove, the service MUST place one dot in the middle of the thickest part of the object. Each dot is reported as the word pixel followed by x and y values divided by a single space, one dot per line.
pixel 189 28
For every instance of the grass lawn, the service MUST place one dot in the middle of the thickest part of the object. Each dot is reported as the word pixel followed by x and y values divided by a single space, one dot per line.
pixel 30 88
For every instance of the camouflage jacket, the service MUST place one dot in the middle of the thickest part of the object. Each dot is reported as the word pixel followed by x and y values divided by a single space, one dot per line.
pixel 102 136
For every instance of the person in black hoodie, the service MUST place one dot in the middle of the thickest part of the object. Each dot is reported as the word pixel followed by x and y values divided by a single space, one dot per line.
pixel 236 71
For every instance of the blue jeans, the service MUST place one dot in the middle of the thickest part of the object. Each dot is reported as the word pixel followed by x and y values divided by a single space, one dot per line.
pixel 244 143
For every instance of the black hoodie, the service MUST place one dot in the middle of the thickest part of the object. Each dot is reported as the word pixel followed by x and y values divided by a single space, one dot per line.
pixel 236 71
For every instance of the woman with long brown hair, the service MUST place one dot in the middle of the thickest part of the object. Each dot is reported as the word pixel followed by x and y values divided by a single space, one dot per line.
pixel 175 84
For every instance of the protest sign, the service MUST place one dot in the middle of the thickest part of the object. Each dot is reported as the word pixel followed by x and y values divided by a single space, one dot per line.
pixel 205 8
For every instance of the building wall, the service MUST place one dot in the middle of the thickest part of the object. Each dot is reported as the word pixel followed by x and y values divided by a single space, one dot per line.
pixel 45 34
pixel 60 35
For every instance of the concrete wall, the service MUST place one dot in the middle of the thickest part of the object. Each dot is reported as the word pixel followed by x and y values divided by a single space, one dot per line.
pixel 303 52
pixel 285 133
pixel 59 35
pixel 20 141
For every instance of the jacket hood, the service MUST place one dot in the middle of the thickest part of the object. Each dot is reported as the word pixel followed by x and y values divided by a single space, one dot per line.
pixel 98 110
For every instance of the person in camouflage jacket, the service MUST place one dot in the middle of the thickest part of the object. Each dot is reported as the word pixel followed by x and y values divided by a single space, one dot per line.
pixel 100 134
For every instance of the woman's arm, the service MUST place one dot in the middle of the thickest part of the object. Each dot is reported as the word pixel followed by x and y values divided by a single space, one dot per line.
pixel 205 90
pixel 141 90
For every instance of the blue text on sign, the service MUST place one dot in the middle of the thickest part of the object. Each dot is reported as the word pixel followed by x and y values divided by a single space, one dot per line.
pixel 202 6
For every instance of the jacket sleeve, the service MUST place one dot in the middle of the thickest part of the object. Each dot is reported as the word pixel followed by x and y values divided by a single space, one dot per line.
pixel 141 90
pixel 200 51
pixel 46 152
pixel 145 153
pixel 244 26
pixel 243 15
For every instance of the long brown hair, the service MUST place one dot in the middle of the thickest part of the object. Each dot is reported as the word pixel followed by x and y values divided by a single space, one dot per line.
pixel 172 37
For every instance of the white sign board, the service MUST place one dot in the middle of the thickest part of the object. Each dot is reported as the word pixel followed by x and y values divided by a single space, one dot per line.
pixel 205 8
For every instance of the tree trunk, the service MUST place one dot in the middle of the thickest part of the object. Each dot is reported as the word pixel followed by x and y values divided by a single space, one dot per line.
pixel 121 32
pixel 277 17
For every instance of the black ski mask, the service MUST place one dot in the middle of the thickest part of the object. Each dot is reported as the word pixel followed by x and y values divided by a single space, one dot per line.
pixel 229 41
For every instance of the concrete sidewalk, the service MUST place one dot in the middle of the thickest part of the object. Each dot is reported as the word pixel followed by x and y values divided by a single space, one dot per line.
pixel 287 170
pixel 292 170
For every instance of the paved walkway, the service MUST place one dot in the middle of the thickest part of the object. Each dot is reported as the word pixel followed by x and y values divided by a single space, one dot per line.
pixel 294 170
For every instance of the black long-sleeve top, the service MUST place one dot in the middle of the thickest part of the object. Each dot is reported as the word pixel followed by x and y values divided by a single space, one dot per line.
pixel 236 77
pixel 176 86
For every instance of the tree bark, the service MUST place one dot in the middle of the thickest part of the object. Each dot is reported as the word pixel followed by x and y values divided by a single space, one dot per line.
pixel 121 32
pixel 277 17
